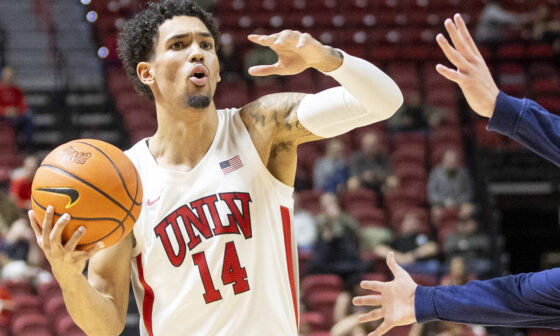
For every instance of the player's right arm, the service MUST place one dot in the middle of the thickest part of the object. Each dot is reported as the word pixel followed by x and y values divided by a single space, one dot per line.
pixel 98 304
pixel 521 119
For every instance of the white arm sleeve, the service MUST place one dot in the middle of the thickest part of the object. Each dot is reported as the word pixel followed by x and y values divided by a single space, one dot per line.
pixel 367 95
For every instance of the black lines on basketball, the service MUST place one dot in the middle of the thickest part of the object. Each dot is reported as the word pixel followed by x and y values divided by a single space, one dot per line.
pixel 116 169
pixel 61 170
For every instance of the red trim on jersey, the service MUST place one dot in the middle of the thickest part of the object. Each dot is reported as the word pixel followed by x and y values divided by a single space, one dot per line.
pixel 286 225
pixel 148 303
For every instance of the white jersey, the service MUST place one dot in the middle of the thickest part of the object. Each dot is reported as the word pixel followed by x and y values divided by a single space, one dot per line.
pixel 215 253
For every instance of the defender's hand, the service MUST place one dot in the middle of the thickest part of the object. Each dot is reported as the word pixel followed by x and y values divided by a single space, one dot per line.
pixel 296 52
pixel 472 74
pixel 65 260
pixel 394 301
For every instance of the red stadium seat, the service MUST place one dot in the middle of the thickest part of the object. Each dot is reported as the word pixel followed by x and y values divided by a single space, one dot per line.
pixel 321 283
pixel 309 200
pixel 315 321
pixel 27 304
pixel 375 277
pixel 232 94
pixel 369 216
pixel 545 86
pixel 363 198
pixel 18 287
pixel 30 324
pixel 425 279
pixel 398 213
pixel 46 290
pixel 512 51
pixel 323 302
pixel 303 82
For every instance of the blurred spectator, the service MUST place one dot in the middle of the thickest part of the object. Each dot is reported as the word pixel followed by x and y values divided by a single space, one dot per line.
pixel 330 172
pixel 494 21
pixel 437 328
pixel 6 306
pixel 14 109
pixel 9 213
pixel 414 115
pixel 457 273
pixel 231 67
pixel 414 250
pixel 369 167
pixel 469 243
pixel 20 184
pixel 336 250
pixel 450 186
pixel 545 27
pixel 305 228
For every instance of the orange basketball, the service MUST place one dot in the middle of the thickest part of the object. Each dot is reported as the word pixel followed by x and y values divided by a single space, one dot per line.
pixel 96 184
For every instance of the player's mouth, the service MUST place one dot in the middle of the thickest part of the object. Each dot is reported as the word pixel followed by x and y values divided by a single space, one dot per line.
pixel 199 75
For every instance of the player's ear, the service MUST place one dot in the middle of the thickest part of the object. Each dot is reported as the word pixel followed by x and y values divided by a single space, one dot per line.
pixel 145 73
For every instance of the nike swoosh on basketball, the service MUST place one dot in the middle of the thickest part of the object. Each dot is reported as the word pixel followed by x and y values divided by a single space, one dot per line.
pixel 72 193
pixel 150 203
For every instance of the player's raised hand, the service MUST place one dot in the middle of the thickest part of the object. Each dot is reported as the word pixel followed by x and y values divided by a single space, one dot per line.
pixel 64 259
pixel 393 302
pixel 472 74
pixel 296 52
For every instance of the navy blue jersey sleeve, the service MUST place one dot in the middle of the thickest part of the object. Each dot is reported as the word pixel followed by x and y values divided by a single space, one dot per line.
pixel 522 300
pixel 529 123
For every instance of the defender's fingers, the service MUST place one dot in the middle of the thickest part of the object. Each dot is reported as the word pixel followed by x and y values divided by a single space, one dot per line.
pixel 373 315
pixel 464 31
pixel 395 268
pixel 47 226
pixel 73 241
pixel 450 74
pixel 457 39
pixel 264 40
pixel 285 37
pixel 381 330
pixel 56 233
pixel 367 300
pixel 34 223
pixel 263 70
pixel 373 285
pixel 452 55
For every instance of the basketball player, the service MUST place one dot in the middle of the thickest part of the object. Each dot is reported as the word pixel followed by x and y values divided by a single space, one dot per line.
pixel 212 252
pixel 522 300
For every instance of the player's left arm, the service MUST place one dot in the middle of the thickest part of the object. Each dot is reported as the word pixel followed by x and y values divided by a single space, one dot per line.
pixel 279 122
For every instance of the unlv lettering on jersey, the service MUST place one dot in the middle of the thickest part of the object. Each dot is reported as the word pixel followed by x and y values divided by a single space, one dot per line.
pixel 239 219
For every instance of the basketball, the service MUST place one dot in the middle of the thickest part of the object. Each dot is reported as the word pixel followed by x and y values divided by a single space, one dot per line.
pixel 96 184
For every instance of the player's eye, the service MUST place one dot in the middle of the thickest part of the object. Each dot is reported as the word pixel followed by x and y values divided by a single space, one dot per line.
pixel 206 45
pixel 177 45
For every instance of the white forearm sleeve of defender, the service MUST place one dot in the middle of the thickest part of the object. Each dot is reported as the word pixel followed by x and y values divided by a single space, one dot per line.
pixel 367 95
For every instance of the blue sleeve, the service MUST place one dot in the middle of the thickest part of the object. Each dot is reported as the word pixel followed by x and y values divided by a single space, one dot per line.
pixel 528 123
pixel 522 300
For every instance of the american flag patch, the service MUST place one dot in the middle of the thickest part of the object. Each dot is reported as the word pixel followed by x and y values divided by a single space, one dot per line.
pixel 230 165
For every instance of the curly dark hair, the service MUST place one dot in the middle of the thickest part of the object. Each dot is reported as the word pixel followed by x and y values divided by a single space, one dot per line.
pixel 139 36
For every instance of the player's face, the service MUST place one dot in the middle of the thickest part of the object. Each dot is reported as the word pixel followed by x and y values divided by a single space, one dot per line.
pixel 185 67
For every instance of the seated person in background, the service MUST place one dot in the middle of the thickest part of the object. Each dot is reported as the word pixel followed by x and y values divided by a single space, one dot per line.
pixel 305 228
pixel 457 273
pixel 414 116
pixel 369 166
pixel 414 250
pixel 469 243
pixel 14 109
pixel 20 184
pixel 546 28
pixel 330 172
pixel 9 213
pixel 450 186
pixel 336 250
pixel 494 21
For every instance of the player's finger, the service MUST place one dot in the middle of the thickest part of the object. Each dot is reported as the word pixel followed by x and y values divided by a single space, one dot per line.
pixel 34 224
pixel 302 40
pixel 263 70
pixel 457 39
pixel 367 300
pixel 73 241
pixel 84 255
pixel 373 315
pixel 450 74
pixel 464 31
pixel 381 330
pixel 395 268
pixel 452 55
pixel 264 40
pixel 56 233
pixel 373 285
pixel 47 227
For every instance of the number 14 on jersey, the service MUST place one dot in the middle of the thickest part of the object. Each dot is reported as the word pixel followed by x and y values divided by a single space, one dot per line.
pixel 232 273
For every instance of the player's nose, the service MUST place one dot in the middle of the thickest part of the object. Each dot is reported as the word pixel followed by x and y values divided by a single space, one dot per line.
pixel 196 55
